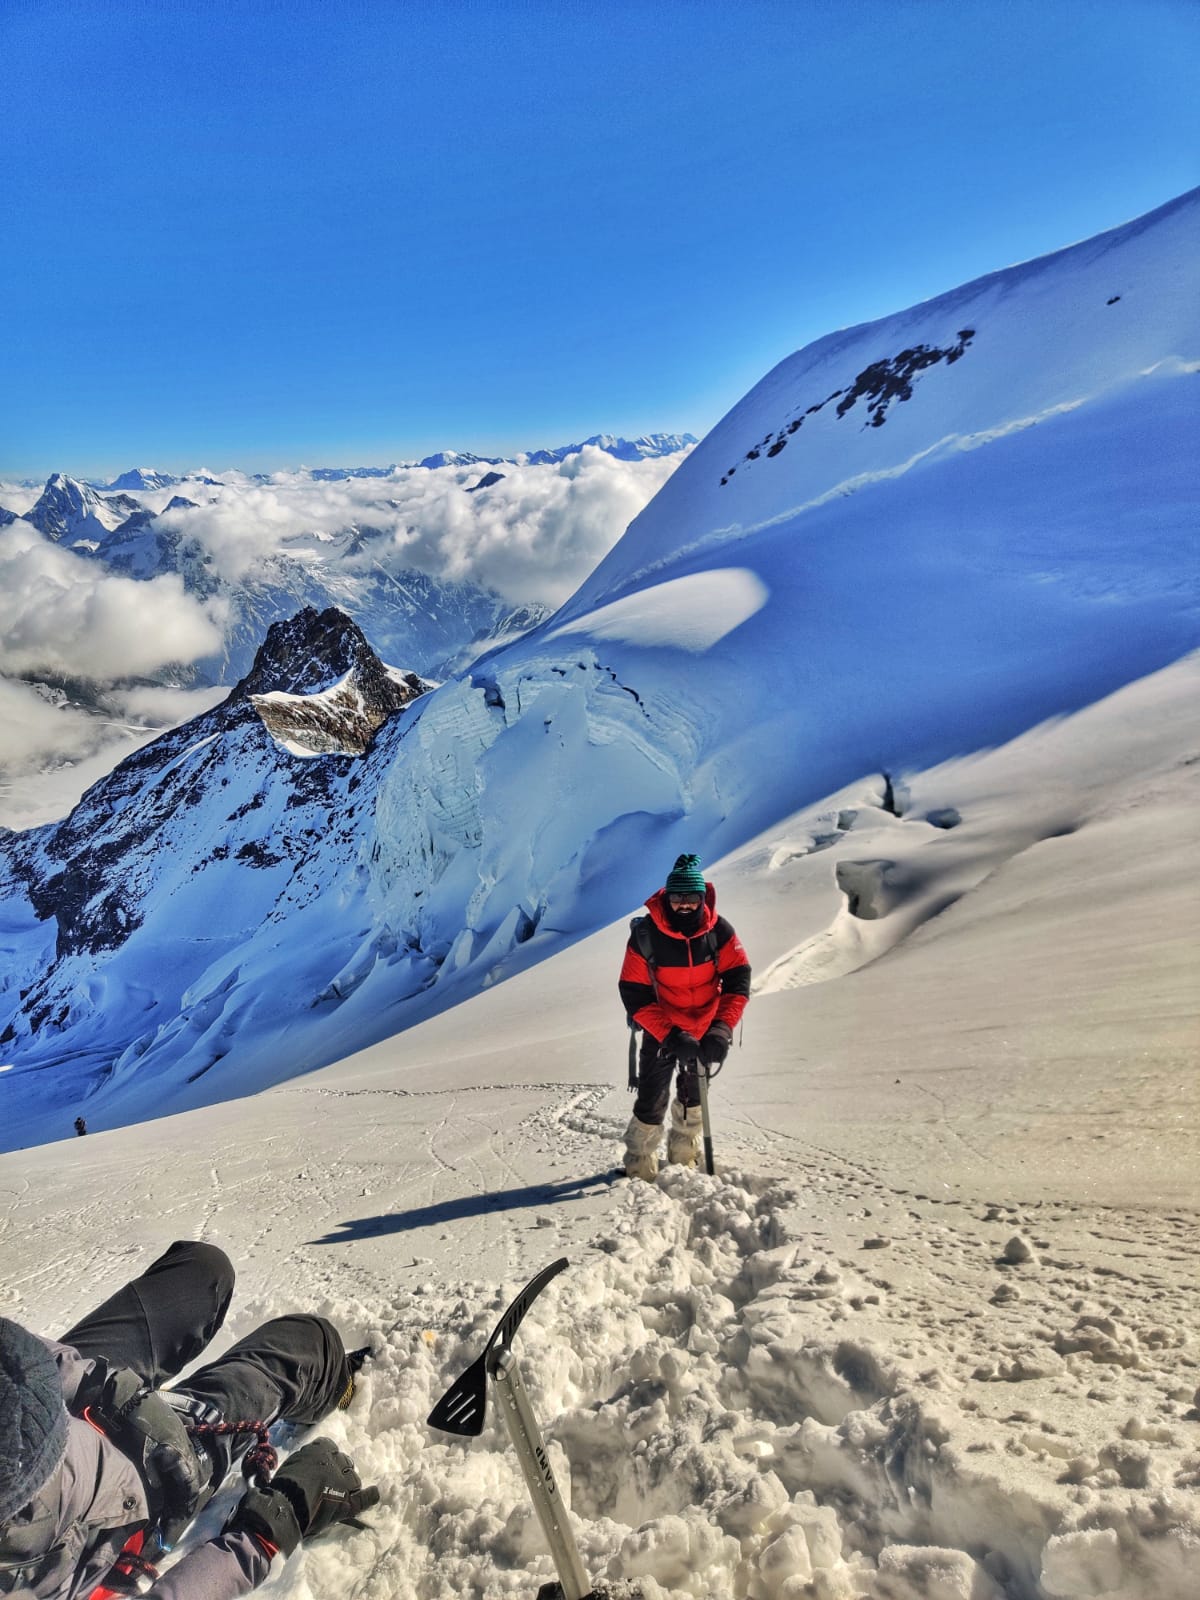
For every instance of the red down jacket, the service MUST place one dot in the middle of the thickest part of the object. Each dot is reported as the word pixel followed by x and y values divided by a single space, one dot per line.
pixel 682 986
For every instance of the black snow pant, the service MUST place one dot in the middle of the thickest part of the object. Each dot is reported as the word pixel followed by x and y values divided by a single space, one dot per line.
pixel 291 1369
pixel 654 1083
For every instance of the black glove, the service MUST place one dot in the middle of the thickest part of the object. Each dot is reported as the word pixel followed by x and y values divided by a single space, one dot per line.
pixel 313 1489
pixel 683 1046
pixel 146 1429
pixel 714 1046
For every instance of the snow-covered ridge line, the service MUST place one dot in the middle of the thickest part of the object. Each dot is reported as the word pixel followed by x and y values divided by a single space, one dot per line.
pixel 1076 323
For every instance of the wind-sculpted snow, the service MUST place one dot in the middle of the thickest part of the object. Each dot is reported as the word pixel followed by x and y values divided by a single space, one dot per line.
pixel 1066 330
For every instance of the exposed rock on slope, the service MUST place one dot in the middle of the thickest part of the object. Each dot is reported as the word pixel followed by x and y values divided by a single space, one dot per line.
pixel 313 716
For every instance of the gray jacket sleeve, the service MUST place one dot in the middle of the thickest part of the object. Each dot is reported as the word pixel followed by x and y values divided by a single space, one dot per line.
pixel 225 1567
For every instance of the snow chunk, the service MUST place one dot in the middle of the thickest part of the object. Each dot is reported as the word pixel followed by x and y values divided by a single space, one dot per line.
pixel 914 1572
pixel 1079 1564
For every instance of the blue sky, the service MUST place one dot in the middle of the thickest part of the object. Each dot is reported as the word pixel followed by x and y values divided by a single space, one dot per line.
pixel 261 234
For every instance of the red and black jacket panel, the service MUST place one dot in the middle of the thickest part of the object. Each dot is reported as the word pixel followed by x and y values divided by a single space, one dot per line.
pixel 682 986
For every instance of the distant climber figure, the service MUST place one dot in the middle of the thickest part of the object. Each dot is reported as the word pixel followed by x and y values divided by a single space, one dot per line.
pixel 80 1126
pixel 685 982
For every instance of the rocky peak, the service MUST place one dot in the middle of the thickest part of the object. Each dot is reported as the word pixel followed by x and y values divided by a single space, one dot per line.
pixel 319 687
pixel 308 653
pixel 487 481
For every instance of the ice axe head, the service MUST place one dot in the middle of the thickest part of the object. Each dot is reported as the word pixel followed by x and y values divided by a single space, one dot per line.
pixel 461 1409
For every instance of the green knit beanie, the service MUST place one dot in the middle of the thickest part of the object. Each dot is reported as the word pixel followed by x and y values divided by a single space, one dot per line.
pixel 686 876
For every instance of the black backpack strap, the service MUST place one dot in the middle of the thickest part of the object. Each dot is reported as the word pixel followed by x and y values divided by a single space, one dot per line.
pixel 641 931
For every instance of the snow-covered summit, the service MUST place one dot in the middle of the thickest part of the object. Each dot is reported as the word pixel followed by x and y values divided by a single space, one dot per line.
pixel 644 448
pixel 144 478
pixel 458 458
pixel 69 511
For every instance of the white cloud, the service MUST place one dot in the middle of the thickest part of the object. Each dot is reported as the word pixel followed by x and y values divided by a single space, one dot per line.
pixel 533 536
pixel 38 733
pixel 18 497
pixel 61 613
pixel 51 750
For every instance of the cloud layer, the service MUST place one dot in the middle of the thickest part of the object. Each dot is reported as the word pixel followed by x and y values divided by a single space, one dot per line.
pixel 65 615
pixel 535 535
pixel 52 750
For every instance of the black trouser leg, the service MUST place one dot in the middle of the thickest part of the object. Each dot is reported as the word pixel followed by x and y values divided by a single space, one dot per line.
pixel 654 1083
pixel 292 1369
pixel 163 1319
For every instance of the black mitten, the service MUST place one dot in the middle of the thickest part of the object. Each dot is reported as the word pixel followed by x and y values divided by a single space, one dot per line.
pixel 315 1488
pixel 145 1428
pixel 683 1046
pixel 714 1046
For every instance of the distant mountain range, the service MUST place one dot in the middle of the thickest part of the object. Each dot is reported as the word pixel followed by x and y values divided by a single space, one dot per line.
pixel 419 622
pixel 424 623
pixel 643 448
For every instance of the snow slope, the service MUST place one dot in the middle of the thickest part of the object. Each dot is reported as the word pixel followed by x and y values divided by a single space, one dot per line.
pixel 886 601
pixel 931 1330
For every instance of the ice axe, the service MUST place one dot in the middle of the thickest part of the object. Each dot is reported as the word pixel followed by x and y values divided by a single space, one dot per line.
pixel 461 1410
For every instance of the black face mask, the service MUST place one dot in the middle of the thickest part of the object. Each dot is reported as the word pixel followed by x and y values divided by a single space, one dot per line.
pixel 687 922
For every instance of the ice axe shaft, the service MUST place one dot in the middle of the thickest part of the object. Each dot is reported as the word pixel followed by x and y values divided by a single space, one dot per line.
pixel 513 1400
pixel 702 1075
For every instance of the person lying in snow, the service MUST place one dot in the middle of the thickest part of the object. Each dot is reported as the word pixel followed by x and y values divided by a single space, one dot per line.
pixel 685 982
pixel 101 1470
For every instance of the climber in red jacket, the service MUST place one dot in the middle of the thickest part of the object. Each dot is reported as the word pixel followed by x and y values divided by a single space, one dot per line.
pixel 685 982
